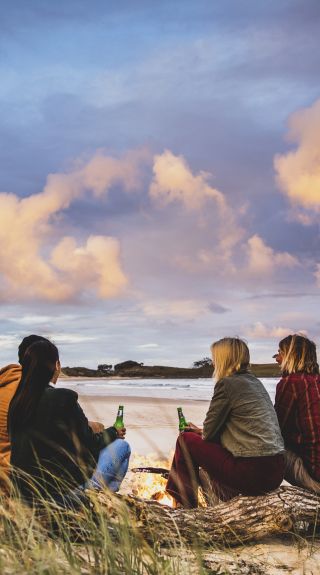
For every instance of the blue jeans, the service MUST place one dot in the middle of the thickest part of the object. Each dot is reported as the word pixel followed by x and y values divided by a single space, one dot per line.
pixel 112 466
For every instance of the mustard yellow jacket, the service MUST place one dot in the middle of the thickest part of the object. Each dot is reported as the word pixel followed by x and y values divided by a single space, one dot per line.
pixel 10 376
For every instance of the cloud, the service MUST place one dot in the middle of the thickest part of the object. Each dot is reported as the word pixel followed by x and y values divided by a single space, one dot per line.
pixel 317 274
pixel 173 181
pixel 31 266
pixel 217 308
pixel 262 259
pixel 298 171
pixel 71 338
pixel 175 309
pixel 261 331
pixel 148 346
pixel 7 341
pixel 96 264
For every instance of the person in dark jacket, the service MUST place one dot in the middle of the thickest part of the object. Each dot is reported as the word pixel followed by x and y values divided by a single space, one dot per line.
pixel 53 448
pixel 240 446
pixel 10 376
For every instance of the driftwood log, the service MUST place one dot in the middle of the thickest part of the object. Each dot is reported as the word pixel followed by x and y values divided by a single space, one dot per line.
pixel 240 520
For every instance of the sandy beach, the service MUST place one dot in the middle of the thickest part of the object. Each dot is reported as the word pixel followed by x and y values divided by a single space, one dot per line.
pixel 152 429
pixel 150 406
pixel 152 423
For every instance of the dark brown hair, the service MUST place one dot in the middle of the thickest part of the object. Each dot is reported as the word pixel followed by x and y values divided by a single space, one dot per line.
pixel 38 366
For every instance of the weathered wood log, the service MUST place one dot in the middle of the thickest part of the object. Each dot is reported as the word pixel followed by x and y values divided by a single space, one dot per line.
pixel 239 520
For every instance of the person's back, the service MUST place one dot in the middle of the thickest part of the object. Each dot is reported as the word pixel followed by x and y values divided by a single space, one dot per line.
pixel 298 408
pixel 9 379
pixel 57 448
pixel 297 404
pixel 10 376
pixel 249 425
pixel 240 446
pixel 54 449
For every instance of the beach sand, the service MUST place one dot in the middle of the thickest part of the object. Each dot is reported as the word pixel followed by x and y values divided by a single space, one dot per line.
pixel 152 429
pixel 152 423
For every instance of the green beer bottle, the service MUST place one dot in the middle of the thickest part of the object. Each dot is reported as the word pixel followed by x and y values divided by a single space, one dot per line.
pixel 118 424
pixel 182 420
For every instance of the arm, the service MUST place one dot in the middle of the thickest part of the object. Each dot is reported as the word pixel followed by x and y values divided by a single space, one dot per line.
pixel 94 442
pixel 96 426
pixel 218 412
pixel 284 405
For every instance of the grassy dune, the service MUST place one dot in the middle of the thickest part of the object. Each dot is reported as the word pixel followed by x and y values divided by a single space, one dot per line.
pixel 97 541
pixel 265 369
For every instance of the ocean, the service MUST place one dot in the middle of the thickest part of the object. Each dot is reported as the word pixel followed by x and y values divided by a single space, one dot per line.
pixel 195 389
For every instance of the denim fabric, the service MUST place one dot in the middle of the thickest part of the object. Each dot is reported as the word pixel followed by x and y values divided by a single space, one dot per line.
pixel 112 466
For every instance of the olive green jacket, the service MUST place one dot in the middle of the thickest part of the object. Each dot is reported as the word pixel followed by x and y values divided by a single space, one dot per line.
pixel 241 416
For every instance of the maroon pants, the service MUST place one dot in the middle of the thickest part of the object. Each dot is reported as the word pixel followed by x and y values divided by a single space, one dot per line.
pixel 245 475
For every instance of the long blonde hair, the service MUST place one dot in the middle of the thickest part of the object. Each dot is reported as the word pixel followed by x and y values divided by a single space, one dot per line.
pixel 299 355
pixel 229 355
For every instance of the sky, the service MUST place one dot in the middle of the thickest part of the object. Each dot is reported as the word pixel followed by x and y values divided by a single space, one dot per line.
pixel 160 176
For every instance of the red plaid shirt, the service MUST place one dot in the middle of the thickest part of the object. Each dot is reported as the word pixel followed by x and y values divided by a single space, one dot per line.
pixel 297 405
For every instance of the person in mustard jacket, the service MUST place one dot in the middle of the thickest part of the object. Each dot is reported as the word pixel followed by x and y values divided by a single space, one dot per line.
pixel 10 376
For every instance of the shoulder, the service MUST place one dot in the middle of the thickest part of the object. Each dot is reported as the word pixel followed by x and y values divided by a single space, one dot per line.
pixel 243 385
pixel 10 374
pixel 230 384
pixel 11 367
pixel 291 380
pixel 294 384
pixel 59 395
pixel 241 378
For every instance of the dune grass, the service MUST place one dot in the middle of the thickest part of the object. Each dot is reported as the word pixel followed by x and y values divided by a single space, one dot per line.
pixel 91 540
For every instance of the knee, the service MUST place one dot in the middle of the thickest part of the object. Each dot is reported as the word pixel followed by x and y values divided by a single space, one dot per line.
pixel 188 438
pixel 126 447
pixel 122 447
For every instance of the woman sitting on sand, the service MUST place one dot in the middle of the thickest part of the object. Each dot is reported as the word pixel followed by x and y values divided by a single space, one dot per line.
pixel 53 448
pixel 240 446
pixel 297 405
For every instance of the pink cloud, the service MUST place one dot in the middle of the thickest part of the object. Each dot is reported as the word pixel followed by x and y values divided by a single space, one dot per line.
pixel 298 171
pixel 262 259
pixel 173 181
pixel 30 267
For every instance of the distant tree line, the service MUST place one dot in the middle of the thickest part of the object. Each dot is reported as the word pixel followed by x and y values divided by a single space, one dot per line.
pixel 204 362
pixel 107 367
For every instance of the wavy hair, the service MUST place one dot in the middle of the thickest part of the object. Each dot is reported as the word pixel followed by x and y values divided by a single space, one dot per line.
pixel 229 355
pixel 299 355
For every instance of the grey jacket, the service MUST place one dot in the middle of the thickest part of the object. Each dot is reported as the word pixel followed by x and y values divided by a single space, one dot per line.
pixel 242 416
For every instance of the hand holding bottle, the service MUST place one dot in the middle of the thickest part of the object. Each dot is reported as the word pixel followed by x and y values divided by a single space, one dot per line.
pixel 119 424
pixel 192 427
pixel 121 433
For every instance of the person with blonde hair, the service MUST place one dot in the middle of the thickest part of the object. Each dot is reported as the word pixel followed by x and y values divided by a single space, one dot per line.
pixel 297 405
pixel 240 446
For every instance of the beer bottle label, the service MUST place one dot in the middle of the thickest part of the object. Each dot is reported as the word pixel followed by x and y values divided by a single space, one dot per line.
pixel 182 420
pixel 119 424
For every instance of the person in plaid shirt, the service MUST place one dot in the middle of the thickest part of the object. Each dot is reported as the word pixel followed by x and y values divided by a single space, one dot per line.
pixel 297 405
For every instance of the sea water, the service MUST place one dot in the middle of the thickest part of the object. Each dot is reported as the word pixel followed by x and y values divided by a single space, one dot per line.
pixel 195 389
